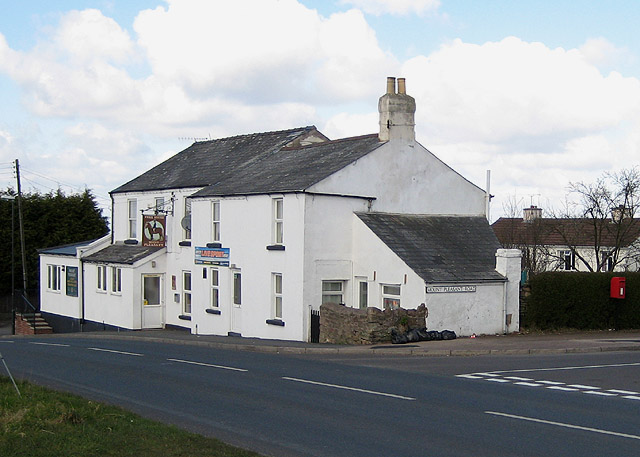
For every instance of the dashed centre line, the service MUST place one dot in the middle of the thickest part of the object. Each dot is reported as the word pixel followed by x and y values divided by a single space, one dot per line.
pixel 116 352
pixel 50 344
pixel 560 424
pixel 210 365
pixel 356 389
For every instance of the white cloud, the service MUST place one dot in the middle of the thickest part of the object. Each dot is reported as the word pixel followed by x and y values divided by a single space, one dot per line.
pixel 601 53
pixel 501 90
pixel 397 7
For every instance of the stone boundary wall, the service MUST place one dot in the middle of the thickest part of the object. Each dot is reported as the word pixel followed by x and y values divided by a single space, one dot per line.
pixel 343 325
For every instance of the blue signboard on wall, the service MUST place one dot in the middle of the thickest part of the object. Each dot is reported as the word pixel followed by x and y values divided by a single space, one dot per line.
pixel 212 256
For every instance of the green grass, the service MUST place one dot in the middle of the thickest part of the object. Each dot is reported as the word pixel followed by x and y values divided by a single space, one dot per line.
pixel 47 423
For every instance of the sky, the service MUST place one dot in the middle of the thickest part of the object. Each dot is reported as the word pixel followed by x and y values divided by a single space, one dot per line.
pixel 541 93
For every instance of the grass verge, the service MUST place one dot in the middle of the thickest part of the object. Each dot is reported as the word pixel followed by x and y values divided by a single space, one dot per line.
pixel 44 422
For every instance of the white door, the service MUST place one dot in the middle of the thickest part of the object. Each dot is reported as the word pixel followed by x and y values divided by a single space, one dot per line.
pixel 152 302
pixel 236 302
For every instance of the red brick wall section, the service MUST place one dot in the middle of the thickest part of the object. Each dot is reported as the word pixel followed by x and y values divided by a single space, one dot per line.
pixel 23 326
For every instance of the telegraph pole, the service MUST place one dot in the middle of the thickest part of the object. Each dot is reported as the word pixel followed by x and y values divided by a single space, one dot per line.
pixel 20 219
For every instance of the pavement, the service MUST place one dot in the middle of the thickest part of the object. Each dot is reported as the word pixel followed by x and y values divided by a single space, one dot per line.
pixel 517 343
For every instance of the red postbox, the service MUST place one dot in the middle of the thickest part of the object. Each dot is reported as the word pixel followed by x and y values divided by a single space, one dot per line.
pixel 618 287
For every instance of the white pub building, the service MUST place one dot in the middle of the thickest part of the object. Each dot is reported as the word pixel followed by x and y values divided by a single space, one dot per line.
pixel 246 235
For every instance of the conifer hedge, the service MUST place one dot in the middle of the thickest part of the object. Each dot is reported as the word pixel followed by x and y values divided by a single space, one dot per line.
pixel 581 301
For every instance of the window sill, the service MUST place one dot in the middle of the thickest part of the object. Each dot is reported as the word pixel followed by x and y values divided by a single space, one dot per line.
pixel 278 322
pixel 184 243
pixel 213 311
pixel 214 245
pixel 184 317
pixel 275 247
pixel 130 241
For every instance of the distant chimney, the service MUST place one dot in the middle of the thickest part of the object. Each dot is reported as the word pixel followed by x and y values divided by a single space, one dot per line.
pixel 621 212
pixel 532 213
pixel 397 112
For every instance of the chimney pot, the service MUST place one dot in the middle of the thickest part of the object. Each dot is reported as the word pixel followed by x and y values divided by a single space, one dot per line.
pixel 391 85
pixel 402 89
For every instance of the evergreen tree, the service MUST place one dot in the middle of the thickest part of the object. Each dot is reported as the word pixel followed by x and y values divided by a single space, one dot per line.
pixel 49 220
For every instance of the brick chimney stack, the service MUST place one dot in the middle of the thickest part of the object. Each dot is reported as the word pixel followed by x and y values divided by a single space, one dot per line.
pixel 397 110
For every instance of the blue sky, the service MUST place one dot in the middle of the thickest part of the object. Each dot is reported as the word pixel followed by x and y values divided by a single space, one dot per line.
pixel 542 93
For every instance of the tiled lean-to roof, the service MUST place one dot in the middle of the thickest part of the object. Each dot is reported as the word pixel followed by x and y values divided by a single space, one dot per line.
pixel 439 248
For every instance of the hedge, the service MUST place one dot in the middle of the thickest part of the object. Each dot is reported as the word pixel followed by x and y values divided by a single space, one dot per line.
pixel 581 301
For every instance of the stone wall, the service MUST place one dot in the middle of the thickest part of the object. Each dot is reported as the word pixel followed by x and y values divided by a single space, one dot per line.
pixel 342 325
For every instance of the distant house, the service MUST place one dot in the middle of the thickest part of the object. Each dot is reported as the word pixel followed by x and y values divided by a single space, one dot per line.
pixel 246 235
pixel 551 244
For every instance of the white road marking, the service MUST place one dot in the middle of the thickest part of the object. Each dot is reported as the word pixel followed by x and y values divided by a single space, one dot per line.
pixel 222 367
pixel 50 344
pixel 469 376
pixel 116 352
pixel 551 383
pixel 518 378
pixel 6 341
pixel 624 392
pixel 632 397
pixel 598 392
pixel 565 389
pixel 584 367
pixel 560 424
pixel 528 384
pixel 580 386
pixel 336 386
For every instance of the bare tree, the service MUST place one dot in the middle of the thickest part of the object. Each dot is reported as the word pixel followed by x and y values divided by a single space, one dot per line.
pixel 600 228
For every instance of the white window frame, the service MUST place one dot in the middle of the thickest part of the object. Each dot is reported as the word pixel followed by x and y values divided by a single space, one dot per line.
pixel 215 220
pixel 54 278
pixel 116 280
pixel 278 220
pixel 187 282
pixel 564 255
pixel 101 283
pixel 331 292
pixel 215 288
pixel 132 214
pixel 363 295
pixel 276 294
pixel 608 257
pixel 391 294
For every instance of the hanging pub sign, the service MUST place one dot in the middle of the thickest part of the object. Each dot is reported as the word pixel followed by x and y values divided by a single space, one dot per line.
pixel 212 256
pixel 154 230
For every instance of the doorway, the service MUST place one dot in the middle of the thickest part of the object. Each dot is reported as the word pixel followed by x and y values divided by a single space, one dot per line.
pixel 152 302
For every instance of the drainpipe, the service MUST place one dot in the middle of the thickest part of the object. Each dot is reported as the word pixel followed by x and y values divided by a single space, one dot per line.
pixel 81 281
pixel 504 307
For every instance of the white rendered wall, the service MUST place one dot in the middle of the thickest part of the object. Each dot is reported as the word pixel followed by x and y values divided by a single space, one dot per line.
pixel 480 312
pixel 328 253
pixel 404 177
pixel 246 229
pixel 58 302
pixel 381 266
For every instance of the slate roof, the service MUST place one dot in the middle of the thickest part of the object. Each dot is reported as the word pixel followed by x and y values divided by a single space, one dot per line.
pixel 292 169
pixel 126 254
pixel 253 163
pixel 440 248
pixel 66 249
pixel 562 232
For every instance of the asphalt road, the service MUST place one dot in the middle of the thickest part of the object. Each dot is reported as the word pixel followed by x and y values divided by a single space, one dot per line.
pixel 284 405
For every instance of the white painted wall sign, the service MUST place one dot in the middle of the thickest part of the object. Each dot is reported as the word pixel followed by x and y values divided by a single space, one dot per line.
pixel 450 289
